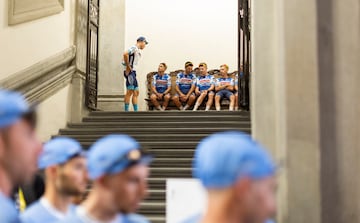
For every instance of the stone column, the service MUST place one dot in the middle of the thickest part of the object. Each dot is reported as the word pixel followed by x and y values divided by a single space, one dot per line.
pixel 339 79
pixel 285 104
pixel 305 104
pixel 111 48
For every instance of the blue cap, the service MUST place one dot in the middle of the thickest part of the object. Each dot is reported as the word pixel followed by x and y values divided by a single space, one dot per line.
pixel 114 153
pixel 13 107
pixel 223 158
pixel 58 151
pixel 142 39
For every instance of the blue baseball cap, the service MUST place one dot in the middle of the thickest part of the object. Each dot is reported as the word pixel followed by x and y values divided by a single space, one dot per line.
pixel 113 154
pixel 223 158
pixel 142 39
pixel 59 151
pixel 13 106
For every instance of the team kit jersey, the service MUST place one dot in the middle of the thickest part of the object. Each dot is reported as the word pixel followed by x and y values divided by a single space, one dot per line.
pixel 43 211
pixel 185 81
pixel 8 212
pixel 134 57
pixel 204 82
pixel 81 216
pixel 161 83
pixel 224 81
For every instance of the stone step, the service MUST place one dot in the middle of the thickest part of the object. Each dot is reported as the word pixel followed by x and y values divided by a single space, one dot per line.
pixel 153 145
pixel 183 124
pixel 179 124
pixel 171 172
pixel 157 183
pixel 142 130
pixel 162 119
pixel 153 208
pixel 147 137
pixel 172 112
pixel 170 136
pixel 156 218
pixel 156 116
pixel 174 162
pixel 156 195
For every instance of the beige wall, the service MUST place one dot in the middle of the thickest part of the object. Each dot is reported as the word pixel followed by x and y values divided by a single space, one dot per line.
pixel 26 44
pixel 53 114
pixel 181 30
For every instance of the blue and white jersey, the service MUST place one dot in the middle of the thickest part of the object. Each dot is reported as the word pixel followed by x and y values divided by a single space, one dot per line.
pixel 8 212
pixel 236 80
pixel 204 82
pixel 80 216
pixel 43 211
pixel 134 57
pixel 224 81
pixel 161 83
pixel 185 81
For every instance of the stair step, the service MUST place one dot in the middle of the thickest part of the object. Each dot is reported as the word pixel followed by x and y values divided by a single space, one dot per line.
pixel 130 130
pixel 170 136
pixel 174 162
pixel 179 124
pixel 157 183
pixel 148 137
pixel 156 195
pixel 152 208
pixel 156 219
pixel 149 144
pixel 170 172
pixel 172 153
pixel 146 119
pixel 172 112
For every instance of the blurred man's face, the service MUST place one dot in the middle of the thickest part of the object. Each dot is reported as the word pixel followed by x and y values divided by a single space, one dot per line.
pixel 141 45
pixel 19 152
pixel 161 68
pixel 203 70
pixel 130 188
pixel 223 70
pixel 72 177
pixel 260 201
pixel 188 69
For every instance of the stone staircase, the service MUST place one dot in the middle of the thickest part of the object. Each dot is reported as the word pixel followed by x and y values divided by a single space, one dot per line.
pixel 170 136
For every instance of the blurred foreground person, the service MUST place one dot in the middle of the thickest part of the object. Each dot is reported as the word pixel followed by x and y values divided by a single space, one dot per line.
pixel 119 171
pixel 19 149
pixel 239 176
pixel 64 164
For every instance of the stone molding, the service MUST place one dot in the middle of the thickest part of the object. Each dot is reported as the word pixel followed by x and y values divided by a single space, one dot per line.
pixel 21 11
pixel 45 78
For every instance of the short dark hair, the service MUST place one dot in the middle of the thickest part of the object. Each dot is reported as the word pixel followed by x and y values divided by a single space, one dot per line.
pixel 203 65
pixel 164 64
pixel 188 63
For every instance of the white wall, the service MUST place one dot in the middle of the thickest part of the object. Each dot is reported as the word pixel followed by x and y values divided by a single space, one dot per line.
pixel 182 30
pixel 53 114
pixel 26 44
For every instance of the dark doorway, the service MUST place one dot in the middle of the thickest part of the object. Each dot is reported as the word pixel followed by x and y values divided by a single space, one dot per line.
pixel 244 50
